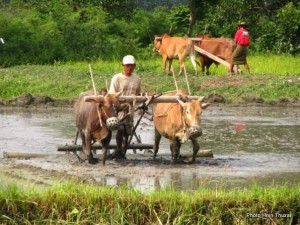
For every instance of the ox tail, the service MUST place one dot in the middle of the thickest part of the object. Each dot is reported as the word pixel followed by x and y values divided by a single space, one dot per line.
pixel 193 58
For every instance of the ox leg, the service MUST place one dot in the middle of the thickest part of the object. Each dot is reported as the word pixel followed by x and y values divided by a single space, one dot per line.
pixel 175 149
pixel 105 143
pixel 208 63
pixel 82 136
pixel 164 63
pixel 125 145
pixel 119 141
pixel 196 148
pixel 202 62
pixel 156 143
pixel 76 137
pixel 170 73
pixel 181 65
pixel 88 152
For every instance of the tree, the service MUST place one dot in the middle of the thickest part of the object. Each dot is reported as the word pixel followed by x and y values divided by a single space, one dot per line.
pixel 192 18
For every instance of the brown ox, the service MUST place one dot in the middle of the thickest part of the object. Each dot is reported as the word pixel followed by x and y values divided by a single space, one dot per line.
pixel 90 127
pixel 175 48
pixel 220 47
pixel 178 122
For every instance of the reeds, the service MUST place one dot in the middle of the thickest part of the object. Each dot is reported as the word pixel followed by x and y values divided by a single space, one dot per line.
pixel 73 203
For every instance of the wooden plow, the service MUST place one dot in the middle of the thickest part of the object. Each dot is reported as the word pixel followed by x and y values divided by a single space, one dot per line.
pixel 206 53
pixel 138 99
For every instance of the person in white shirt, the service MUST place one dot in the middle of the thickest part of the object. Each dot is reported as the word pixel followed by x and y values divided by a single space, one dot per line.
pixel 129 84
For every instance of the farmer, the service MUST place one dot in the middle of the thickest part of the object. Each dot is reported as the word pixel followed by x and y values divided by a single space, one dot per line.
pixel 129 84
pixel 242 39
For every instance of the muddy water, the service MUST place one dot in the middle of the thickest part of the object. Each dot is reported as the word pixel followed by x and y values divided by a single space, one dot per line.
pixel 250 144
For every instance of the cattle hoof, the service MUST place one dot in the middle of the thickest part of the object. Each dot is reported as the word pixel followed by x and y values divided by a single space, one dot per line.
pixel 117 156
pixel 174 162
pixel 93 160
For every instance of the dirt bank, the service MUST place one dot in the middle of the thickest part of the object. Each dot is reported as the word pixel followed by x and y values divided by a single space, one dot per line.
pixel 27 100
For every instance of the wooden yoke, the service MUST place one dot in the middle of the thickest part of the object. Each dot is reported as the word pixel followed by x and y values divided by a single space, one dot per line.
pixel 140 99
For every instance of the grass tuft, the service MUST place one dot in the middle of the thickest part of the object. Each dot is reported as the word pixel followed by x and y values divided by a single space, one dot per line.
pixel 74 203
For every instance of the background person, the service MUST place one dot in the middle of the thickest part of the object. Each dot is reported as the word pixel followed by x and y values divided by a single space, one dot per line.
pixel 239 55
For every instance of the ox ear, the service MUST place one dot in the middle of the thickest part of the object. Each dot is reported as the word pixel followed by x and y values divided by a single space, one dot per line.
pixel 182 104
pixel 204 105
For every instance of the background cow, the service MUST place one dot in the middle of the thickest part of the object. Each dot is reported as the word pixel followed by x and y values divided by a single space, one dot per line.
pixel 178 122
pixel 89 126
pixel 220 47
pixel 175 48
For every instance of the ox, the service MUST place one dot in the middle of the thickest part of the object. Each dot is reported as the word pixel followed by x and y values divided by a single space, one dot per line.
pixel 175 48
pixel 178 122
pixel 94 122
pixel 220 47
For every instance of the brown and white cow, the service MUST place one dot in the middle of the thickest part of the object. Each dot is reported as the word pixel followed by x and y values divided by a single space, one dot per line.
pixel 220 47
pixel 178 122
pixel 175 48
pixel 90 127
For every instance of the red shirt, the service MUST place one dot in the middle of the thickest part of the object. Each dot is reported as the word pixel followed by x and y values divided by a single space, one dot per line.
pixel 242 37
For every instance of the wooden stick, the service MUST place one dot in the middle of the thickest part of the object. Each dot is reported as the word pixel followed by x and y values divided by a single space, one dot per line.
pixel 208 54
pixel 106 85
pixel 138 146
pixel 186 80
pixel 23 155
pixel 95 91
pixel 99 146
pixel 92 77
pixel 139 99
pixel 173 74
pixel 141 116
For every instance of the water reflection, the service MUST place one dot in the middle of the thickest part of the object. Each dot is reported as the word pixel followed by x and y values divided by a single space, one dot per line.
pixel 193 181
pixel 249 145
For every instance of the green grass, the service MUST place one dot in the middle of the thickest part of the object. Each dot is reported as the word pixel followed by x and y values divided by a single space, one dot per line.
pixel 73 203
pixel 272 78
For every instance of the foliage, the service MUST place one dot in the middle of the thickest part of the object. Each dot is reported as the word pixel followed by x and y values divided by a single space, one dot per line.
pixel 43 31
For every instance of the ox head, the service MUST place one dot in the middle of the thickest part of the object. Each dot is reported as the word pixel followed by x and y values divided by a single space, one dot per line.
pixel 191 113
pixel 157 43
pixel 108 108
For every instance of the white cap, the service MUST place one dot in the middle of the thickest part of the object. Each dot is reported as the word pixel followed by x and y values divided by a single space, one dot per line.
pixel 128 59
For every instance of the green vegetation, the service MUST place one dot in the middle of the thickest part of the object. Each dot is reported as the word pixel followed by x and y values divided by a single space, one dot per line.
pixel 49 31
pixel 73 203
pixel 273 78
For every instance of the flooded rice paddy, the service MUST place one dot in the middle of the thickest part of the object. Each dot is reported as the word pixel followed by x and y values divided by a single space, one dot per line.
pixel 250 145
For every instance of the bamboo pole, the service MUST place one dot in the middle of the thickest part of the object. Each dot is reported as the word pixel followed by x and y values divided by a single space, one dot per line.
pixel 192 39
pixel 13 154
pixel 95 92
pixel 208 54
pixel 67 148
pixel 27 155
pixel 140 99
pixel 138 146
pixel 173 74
pixel 187 81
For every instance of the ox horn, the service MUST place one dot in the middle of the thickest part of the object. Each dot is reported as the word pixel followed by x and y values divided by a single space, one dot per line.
pixel 118 94
pixel 181 103
pixel 201 98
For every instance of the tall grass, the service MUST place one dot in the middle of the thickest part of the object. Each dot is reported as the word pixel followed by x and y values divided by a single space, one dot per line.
pixel 73 203
pixel 272 77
